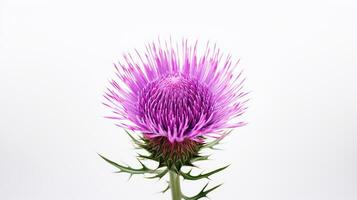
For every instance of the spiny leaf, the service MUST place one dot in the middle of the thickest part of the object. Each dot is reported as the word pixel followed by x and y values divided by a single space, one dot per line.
pixel 189 176
pixel 128 169
pixel 203 193
pixel 211 145
pixel 159 174
pixel 148 157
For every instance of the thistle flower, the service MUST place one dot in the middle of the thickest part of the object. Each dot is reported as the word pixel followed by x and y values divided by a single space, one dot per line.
pixel 179 100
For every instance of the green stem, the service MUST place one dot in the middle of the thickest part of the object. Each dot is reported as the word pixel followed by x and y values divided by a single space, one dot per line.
pixel 175 186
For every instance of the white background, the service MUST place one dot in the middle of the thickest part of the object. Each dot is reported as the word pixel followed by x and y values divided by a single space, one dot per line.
pixel 300 58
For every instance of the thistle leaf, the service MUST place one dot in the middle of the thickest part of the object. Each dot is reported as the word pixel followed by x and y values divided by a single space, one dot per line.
pixel 147 157
pixel 128 169
pixel 203 193
pixel 159 174
pixel 211 145
pixel 189 176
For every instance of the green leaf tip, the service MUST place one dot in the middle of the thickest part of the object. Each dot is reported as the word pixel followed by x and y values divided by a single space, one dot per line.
pixel 203 193
pixel 159 174
pixel 189 176
pixel 166 189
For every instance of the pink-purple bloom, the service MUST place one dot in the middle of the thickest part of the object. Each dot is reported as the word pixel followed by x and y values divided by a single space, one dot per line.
pixel 178 92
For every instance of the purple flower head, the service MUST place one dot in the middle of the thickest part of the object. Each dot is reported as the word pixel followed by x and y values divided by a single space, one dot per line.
pixel 172 91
